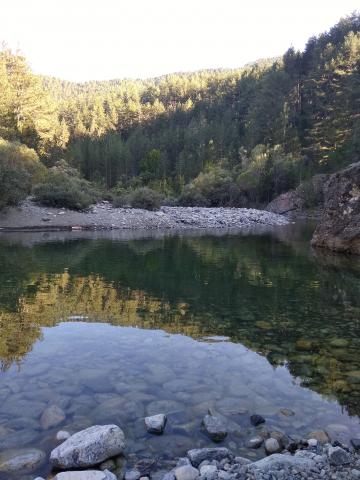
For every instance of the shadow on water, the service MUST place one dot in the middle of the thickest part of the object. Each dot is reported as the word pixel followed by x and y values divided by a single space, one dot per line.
pixel 267 292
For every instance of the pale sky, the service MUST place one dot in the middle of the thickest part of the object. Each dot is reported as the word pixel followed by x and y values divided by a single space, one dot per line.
pixel 103 39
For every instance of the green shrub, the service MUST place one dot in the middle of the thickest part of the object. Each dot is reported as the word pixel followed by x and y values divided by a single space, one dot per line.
pixel 192 197
pixel 64 191
pixel 312 190
pixel 19 169
pixel 145 198
pixel 213 188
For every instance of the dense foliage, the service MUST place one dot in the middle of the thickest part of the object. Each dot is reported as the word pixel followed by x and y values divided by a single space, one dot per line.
pixel 62 187
pixel 19 169
pixel 234 137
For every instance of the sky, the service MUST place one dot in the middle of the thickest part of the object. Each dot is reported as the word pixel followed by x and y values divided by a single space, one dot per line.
pixel 84 40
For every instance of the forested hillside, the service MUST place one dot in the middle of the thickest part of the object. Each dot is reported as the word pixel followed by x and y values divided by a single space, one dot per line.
pixel 216 137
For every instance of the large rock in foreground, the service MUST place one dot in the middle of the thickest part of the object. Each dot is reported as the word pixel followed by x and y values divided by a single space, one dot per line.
pixel 339 228
pixel 89 447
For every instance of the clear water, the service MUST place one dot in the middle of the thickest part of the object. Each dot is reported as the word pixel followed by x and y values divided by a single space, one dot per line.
pixel 112 328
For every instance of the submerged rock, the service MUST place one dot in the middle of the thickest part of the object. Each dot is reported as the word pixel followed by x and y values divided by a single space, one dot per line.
pixel 320 435
pixel 257 420
pixel 89 447
pixel 272 445
pixel 156 423
pixel 339 228
pixel 215 428
pixel 22 460
pixel 86 475
pixel 51 417
pixel 62 435
pixel 255 442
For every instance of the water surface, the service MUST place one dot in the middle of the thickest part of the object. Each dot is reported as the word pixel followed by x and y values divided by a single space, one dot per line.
pixel 113 327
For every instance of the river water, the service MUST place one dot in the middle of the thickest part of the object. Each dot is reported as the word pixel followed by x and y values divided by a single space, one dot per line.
pixel 112 327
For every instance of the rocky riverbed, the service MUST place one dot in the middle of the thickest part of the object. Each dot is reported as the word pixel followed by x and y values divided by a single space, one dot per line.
pixel 103 216
pixel 99 453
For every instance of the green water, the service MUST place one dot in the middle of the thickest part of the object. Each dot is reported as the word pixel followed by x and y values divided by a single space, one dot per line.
pixel 112 327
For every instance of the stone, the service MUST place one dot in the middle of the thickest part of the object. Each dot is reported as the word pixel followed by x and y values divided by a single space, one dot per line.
pixel 257 420
pixel 280 437
pixel 286 202
pixel 242 461
pixel 52 417
pixel 339 228
pixel 208 472
pixel 215 428
pixel 186 472
pixel 312 442
pixel 198 455
pixel 339 342
pixel 89 447
pixel 278 461
pixel 355 442
pixel 145 466
pixel 62 435
pixel 132 475
pixel 287 412
pixel 320 435
pixel 108 465
pixel 272 446
pixel 156 423
pixel 255 442
pixel 338 456
pixel 86 475
pixel 21 460
pixel 169 476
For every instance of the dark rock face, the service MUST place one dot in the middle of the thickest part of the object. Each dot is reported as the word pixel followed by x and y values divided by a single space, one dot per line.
pixel 339 228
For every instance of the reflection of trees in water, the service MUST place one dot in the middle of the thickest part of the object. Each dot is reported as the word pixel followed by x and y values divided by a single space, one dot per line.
pixel 283 303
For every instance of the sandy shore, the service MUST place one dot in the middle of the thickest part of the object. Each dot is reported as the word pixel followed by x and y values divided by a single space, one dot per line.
pixel 103 216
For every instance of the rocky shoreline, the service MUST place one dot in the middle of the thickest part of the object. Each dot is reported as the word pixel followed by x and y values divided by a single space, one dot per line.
pixel 99 453
pixel 103 216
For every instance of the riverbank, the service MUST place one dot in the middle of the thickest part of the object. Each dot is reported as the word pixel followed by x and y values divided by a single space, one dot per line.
pixel 99 453
pixel 103 216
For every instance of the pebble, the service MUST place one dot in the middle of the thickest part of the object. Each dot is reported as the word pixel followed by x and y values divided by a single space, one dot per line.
pixel 62 435
pixel 257 420
pixel 255 442
pixel 312 442
pixel 186 472
pixel 272 446
pixel 132 475
pixel 156 423
pixel 215 428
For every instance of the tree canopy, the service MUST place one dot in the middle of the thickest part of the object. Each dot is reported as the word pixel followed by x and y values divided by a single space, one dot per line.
pixel 254 131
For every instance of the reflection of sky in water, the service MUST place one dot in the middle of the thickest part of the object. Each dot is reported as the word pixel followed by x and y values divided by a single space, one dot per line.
pixel 292 319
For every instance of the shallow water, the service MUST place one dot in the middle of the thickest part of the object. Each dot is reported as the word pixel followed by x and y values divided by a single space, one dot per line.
pixel 112 327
